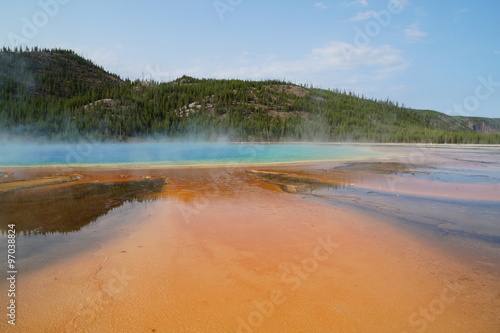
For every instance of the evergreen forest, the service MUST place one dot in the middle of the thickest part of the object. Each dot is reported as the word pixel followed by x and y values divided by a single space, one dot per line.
pixel 57 95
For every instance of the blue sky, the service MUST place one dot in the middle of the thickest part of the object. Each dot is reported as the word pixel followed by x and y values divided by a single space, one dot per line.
pixel 441 55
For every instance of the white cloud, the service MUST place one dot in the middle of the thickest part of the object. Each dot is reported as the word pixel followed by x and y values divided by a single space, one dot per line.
pixel 336 64
pixel 421 12
pixel 333 56
pixel 320 5
pixel 457 15
pixel 362 16
pixel 399 3
pixel 363 3
pixel 326 65
pixel 414 34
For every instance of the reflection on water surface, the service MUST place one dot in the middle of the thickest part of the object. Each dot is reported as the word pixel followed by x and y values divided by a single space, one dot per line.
pixel 62 209
pixel 344 185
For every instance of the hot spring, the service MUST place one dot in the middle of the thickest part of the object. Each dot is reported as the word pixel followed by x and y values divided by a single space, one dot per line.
pixel 159 154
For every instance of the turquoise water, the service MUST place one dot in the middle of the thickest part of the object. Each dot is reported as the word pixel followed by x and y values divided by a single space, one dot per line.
pixel 172 153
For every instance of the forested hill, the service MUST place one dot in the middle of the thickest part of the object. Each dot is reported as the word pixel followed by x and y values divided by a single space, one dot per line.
pixel 58 95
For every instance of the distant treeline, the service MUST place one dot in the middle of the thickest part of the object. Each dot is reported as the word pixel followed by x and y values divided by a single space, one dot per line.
pixel 58 95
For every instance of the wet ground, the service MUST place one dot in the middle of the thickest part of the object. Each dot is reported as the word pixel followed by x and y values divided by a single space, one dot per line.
pixel 208 249
pixel 64 209
pixel 349 184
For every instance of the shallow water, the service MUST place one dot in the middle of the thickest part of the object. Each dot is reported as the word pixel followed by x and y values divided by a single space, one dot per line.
pixel 38 250
pixel 67 208
pixel 443 201
pixel 459 175
pixel 477 220
pixel 172 153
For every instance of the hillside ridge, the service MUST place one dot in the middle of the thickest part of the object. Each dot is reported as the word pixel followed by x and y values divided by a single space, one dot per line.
pixel 58 95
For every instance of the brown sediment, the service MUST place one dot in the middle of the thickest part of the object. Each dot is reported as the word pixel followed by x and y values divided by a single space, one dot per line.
pixel 35 182
pixel 390 177
pixel 290 182
pixel 381 167
pixel 226 250
pixel 5 174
